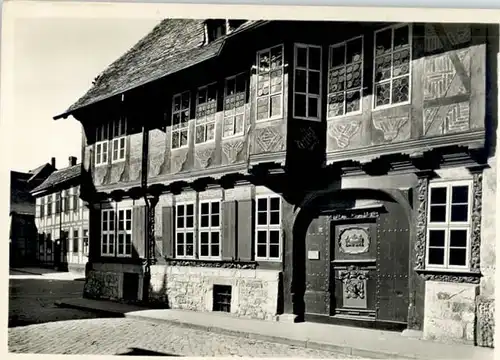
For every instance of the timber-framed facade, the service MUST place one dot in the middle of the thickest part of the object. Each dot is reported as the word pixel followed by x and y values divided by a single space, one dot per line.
pixel 270 170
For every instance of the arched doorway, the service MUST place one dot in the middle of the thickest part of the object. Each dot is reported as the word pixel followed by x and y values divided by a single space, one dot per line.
pixel 351 258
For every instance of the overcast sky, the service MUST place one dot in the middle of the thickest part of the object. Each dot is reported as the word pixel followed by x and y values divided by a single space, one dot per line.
pixel 56 60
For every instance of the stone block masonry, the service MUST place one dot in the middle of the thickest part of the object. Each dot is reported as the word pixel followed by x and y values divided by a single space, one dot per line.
pixel 254 293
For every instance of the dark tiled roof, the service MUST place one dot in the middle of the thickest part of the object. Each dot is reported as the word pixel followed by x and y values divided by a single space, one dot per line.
pixel 36 172
pixel 59 177
pixel 171 46
pixel 21 201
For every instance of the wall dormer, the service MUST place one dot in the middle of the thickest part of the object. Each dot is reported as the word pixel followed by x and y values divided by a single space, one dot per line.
pixel 216 28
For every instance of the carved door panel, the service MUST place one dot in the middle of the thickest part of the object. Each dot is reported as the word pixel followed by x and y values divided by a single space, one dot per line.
pixel 353 268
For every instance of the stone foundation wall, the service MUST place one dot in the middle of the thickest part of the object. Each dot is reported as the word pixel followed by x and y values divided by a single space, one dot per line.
pixel 450 312
pixel 485 321
pixel 105 281
pixel 254 293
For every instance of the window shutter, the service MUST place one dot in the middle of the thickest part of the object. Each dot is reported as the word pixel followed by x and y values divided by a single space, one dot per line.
pixel 229 235
pixel 168 231
pixel 138 232
pixel 94 233
pixel 245 229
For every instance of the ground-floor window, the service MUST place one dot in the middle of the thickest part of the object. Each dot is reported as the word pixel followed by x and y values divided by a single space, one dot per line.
pixel 268 228
pixel 184 230
pixel 116 232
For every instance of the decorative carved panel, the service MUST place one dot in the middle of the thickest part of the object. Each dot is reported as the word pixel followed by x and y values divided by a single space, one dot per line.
pixel 456 34
pixel 343 131
pixel 156 162
pixel 269 139
pixel 306 139
pixel 354 287
pixel 178 161
pixel 422 191
pixel 134 171
pixel 203 156
pixel 100 173
pixel 390 125
pixel 354 240
pixel 231 150
pixel 117 171
pixel 477 193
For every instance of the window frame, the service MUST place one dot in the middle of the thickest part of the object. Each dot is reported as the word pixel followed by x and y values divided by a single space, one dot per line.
pixel 296 46
pixel 123 232
pixel 224 117
pixel 268 228
pixel 282 92
pixel 50 201
pixel 58 203
pixel 344 92
pixel 204 124
pixel 185 230
pixel 448 225
pixel 42 207
pixel 100 153
pixel 179 130
pixel 108 232
pixel 210 229
pixel 390 81
pixel 75 240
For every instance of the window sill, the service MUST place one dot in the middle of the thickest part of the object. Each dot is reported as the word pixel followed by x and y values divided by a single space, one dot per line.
pixel 450 275
pixel 307 118
pixel 347 115
pixel 391 106
pixel 117 161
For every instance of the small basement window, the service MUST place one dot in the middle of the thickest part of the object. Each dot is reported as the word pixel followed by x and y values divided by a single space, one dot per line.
pixel 222 298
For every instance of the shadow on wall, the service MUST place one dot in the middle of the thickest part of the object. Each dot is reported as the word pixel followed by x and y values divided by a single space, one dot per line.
pixel 159 298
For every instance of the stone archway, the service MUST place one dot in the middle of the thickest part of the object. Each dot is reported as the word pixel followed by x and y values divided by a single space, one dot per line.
pixel 386 216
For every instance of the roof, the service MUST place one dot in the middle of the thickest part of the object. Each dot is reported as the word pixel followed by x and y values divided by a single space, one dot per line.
pixel 36 172
pixel 171 46
pixel 59 177
pixel 21 201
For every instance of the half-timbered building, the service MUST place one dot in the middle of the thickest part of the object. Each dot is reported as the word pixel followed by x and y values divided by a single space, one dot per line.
pixel 320 171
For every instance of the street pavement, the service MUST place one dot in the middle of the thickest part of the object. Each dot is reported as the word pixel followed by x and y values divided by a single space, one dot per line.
pixel 36 325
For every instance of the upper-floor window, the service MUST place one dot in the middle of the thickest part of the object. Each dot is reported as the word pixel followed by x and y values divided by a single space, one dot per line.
pixel 210 229
pixel 111 136
pixel 270 83
pixel 118 141
pixel 307 82
pixel 234 105
pixel 345 78
pixel 49 204
pixel 392 66
pixel 449 225
pixel 74 198
pixel 42 206
pixel 268 228
pixel 58 203
pixel 206 107
pixel 180 120
pixel 101 144
pixel 184 230
pixel 65 200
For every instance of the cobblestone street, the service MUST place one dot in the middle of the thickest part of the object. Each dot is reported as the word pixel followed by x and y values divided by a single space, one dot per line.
pixel 135 337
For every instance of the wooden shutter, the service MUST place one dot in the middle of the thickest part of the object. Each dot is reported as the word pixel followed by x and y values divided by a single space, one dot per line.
pixel 138 231
pixel 229 236
pixel 94 233
pixel 168 231
pixel 245 229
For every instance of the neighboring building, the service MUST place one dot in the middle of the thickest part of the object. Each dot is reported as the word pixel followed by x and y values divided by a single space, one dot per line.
pixel 62 220
pixel 22 234
pixel 332 171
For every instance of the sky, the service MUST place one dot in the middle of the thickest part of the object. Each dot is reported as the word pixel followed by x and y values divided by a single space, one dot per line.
pixel 56 60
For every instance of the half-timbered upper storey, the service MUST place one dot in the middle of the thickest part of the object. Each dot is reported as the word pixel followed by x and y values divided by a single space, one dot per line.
pixel 219 97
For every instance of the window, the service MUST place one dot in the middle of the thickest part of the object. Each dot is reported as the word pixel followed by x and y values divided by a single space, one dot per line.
pixel 234 105
pixel 206 107
pixel 210 229
pixel 124 232
pixel 184 237
pixel 48 244
pixel 449 224
pixel 58 203
pixel 108 232
pixel 85 241
pixel 42 206
pixel 270 83
pixel 216 28
pixel 307 82
pixel 76 239
pixel 75 198
pixel 180 120
pixel 345 78
pixel 392 66
pixel 101 153
pixel 65 201
pixel 268 228
pixel 118 142
pixel 222 298
pixel 49 205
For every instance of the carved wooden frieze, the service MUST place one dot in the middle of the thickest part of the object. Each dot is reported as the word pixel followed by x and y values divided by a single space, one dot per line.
pixel 178 160
pixel 100 173
pixel 422 193
pixel 390 125
pixel 268 139
pixel 354 215
pixel 156 162
pixel 354 240
pixel 343 131
pixel 203 156
pixel 456 34
pixel 134 171
pixel 213 264
pixel 453 278
pixel 306 139
pixel 477 193
pixel 116 173
pixel 232 150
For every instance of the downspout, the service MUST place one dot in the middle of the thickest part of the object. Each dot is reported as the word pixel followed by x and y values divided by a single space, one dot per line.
pixel 144 186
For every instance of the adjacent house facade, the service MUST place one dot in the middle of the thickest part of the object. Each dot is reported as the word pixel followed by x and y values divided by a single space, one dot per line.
pixel 22 232
pixel 62 221
pixel 334 171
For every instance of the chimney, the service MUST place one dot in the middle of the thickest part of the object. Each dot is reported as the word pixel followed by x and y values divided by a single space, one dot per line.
pixel 72 161
pixel 53 162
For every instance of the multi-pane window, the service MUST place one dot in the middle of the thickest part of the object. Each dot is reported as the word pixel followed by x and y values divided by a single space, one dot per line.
pixel 268 228
pixel 85 241
pixel 206 107
pixel 392 66
pixel 449 223
pixel 180 120
pixel 49 204
pixel 184 237
pixel 42 206
pixel 118 142
pixel 124 232
pixel 101 144
pixel 108 232
pixel 74 196
pixel 307 82
pixel 209 225
pixel 76 239
pixel 234 105
pixel 65 200
pixel 58 203
pixel 345 78
pixel 270 83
